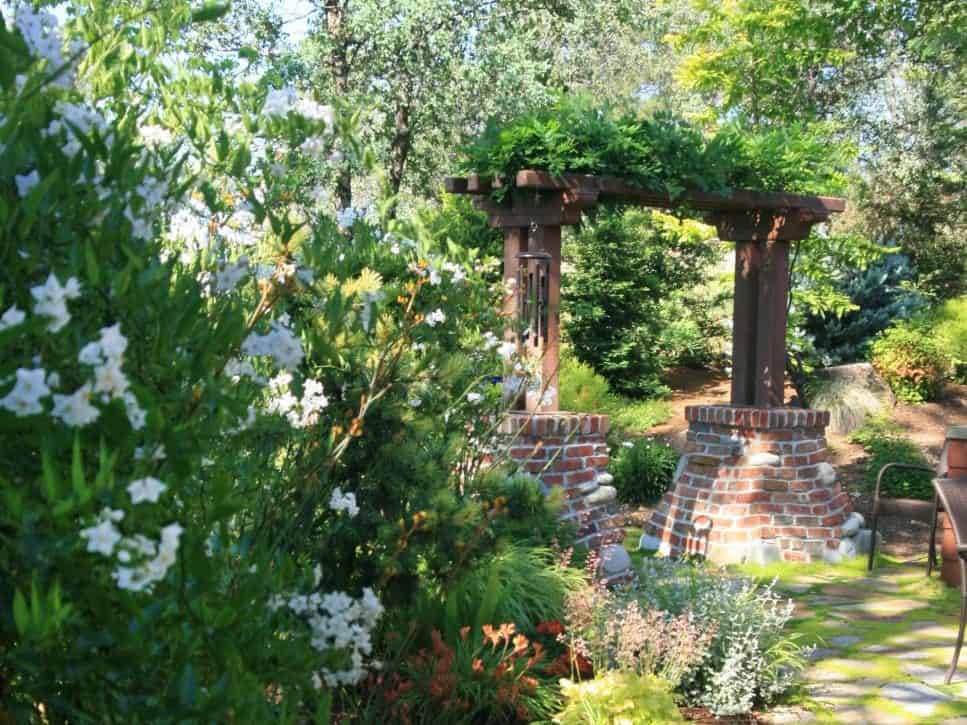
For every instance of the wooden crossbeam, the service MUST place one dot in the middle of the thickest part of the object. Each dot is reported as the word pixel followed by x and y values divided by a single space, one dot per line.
pixel 761 223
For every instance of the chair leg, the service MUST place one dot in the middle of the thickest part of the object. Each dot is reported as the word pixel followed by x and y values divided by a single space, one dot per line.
pixel 963 620
pixel 932 553
pixel 869 562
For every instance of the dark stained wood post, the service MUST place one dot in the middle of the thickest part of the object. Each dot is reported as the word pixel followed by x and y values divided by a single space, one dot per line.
pixel 770 339
pixel 548 239
pixel 744 305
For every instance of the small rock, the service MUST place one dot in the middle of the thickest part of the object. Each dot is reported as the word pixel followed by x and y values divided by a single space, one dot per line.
pixel 853 524
pixel 763 459
pixel 863 538
pixel 604 494
pixel 614 559
pixel 647 542
pixel 606 478
pixel 827 474
pixel 847 548
pixel 764 552
pixel 586 488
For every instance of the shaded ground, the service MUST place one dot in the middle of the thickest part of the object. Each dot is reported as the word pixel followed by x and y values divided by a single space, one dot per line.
pixel 924 424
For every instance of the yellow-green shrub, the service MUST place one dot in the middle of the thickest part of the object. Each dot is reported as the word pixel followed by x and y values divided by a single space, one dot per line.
pixel 618 698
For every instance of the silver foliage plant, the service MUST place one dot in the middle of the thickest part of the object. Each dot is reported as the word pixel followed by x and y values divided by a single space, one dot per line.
pixel 752 659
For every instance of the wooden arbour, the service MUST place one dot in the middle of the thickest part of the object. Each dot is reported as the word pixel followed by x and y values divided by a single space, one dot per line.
pixel 762 224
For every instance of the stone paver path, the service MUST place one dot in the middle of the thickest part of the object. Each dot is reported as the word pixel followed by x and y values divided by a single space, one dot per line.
pixel 882 645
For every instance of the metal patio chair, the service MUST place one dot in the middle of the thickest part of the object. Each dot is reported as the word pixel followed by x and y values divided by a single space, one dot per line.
pixel 950 496
pixel 906 507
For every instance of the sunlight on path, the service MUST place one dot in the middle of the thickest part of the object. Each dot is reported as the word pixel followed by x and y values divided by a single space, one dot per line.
pixel 883 643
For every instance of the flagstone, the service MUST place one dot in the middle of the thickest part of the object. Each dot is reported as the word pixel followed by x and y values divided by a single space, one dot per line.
pixel 877 583
pixel 845 640
pixel 914 697
pixel 878 648
pixel 786 715
pixel 915 654
pixel 867 715
pixel 886 606
pixel 822 653
pixel 925 673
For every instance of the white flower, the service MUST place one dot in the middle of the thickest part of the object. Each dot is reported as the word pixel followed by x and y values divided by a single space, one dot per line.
pixel 11 318
pixel 155 136
pixel 229 275
pixel 90 354
pixel 146 489
pixel 340 501
pixel 51 300
pixel 280 343
pixel 507 349
pixel 75 410
pixel 113 343
pixel 136 414
pixel 279 101
pixel 26 182
pixel 490 340
pixel 101 538
pixel 474 398
pixel 313 146
pixel 347 217
pixel 415 402
pixel 313 111
pixel 435 318
pixel 110 380
pixel 28 390
pixel 627 444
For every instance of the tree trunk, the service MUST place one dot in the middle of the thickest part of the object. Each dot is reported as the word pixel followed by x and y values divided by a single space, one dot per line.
pixel 339 69
pixel 400 146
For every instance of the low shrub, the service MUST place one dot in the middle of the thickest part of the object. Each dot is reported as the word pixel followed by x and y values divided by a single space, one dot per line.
pixel 751 659
pixel 898 483
pixel 618 697
pixel 584 391
pixel 912 362
pixel 643 470
pixel 949 325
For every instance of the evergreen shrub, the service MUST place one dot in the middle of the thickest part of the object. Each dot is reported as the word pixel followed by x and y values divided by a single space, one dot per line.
pixel 913 363
pixel 643 470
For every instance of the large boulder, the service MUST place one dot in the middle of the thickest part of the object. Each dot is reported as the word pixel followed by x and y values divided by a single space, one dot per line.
pixel 850 393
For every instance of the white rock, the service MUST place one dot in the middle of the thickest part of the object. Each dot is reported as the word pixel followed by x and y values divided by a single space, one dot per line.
pixel 589 487
pixel 827 474
pixel 853 524
pixel 604 494
pixel 847 548
pixel 647 542
pixel 832 556
pixel 614 559
pixel 604 479
pixel 763 459
pixel 764 552
pixel 863 539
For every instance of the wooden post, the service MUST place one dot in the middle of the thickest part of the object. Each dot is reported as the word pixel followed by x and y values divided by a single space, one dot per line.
pixel 744 306
pixel 548 239
pixel 770 345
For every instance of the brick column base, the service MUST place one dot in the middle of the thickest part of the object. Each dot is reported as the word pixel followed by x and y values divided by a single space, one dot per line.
pixel 569 451
pixel 754 485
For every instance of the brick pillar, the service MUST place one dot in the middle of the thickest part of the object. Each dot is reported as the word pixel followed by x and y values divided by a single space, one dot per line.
pixel 761 477
pixel 569 451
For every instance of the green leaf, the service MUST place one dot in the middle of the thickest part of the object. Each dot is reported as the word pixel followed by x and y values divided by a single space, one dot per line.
pixel 77 467
pixel 209 12
pixel 248 53
pixel 21 617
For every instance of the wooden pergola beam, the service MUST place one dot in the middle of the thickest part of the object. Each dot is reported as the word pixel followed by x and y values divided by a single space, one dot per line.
pixel 761 223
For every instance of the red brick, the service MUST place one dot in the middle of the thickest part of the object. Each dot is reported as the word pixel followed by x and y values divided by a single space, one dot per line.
pixel 552 479
pixel 834 520
pixel 567 464
pixel 578 451
pixel 579 477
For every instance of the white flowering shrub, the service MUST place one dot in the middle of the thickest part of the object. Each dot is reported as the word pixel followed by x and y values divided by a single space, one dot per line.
pixel 752 658
pixel 235 426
